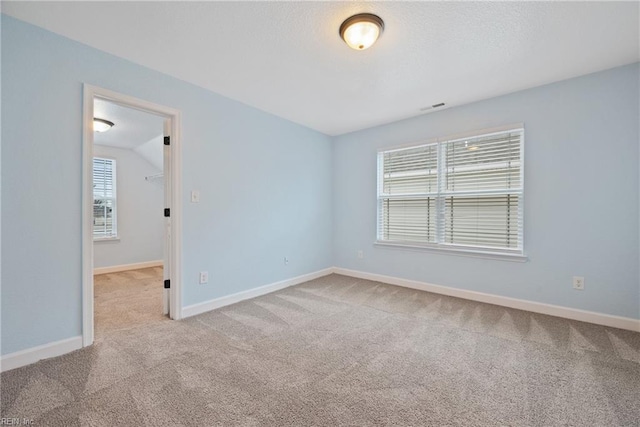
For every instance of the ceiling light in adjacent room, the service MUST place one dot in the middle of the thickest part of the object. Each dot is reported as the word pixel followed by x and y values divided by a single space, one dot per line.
pixel 361 31
pixel 101 125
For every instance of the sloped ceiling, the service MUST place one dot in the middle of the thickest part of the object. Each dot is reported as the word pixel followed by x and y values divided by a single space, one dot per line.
pixel 134 130
pixel 131 129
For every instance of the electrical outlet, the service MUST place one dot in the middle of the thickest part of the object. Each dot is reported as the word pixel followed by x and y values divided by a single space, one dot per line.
pixel 286 261
pixel 360 254
pixel 578 283
pixel 195 196
pixel 204 277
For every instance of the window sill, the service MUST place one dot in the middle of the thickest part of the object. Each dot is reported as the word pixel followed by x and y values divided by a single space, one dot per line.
pixel 456 251
pixel 106 239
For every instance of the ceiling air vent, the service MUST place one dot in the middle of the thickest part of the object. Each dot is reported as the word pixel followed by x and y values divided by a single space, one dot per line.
pixel 432 107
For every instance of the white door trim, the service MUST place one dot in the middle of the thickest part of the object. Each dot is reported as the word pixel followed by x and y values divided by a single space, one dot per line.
pixel 89 93
pixel 166 223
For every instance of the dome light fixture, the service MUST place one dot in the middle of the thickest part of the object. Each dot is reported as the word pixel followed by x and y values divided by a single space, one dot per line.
pixel 101 125
pixel 362 30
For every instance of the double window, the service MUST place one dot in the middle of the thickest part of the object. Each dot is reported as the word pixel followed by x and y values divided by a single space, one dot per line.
pixel 104 199
pixel 460 194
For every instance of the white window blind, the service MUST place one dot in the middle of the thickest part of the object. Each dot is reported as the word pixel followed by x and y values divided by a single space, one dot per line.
pixel 104 198
pixel 463 193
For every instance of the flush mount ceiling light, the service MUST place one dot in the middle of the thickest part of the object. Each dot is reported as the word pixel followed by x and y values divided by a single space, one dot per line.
pixel 101 125
pixel 361 31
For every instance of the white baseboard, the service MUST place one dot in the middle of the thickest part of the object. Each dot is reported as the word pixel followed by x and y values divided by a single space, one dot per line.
pixel 126 267
pixel 33 354
pixel 535 307
pixel 203 307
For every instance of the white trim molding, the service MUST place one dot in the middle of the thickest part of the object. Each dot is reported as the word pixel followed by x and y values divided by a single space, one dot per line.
pixel 535 307
pixel 127 267
pixel 58 348
pixel 502 256
pixel 173 116
pixel 203 307
pixel 34 354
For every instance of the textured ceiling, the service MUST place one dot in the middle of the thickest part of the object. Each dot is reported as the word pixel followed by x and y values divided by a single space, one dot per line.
pixel 287 58
pixel 132 128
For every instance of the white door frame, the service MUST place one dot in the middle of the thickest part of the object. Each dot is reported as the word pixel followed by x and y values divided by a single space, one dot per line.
pixel 91 92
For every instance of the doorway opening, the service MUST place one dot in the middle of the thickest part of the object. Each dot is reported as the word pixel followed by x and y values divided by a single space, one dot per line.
pixel 131 210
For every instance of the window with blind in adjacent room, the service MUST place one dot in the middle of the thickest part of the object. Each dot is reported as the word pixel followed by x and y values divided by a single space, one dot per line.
pixel 104 199
pixel 454 193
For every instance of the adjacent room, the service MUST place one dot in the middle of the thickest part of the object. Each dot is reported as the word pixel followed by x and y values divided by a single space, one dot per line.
pixel 320 213
pixel 128 225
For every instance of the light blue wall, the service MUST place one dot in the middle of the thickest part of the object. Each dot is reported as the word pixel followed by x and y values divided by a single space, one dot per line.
pixel 265 184
pixel 581 195
pixel 266 189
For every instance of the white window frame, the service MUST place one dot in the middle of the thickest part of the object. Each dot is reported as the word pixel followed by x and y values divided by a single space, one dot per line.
pixel 516 254
pixel 114 200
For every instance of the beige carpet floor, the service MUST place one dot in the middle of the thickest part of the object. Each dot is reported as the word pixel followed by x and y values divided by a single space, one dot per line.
pixel 127 299
pixel 341 351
